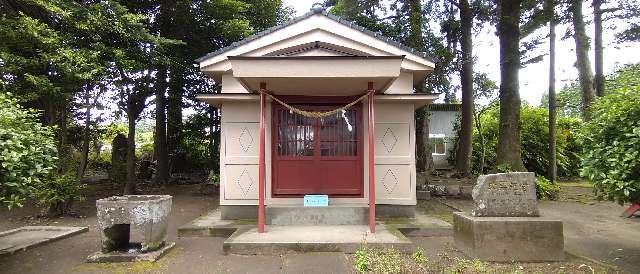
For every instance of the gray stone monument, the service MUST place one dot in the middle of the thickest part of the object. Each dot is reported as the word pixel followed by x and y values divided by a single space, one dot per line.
pixel 505 195
pixel 132 228
pixel 118 171
pixel 504 224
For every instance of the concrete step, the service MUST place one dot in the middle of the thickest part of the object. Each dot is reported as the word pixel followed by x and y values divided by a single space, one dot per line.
pixel 331 215
pixel 340 238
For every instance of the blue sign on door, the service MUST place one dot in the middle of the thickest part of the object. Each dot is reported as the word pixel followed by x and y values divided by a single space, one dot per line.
pixel 316 200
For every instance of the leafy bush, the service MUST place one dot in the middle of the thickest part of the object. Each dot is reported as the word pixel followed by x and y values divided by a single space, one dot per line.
pixel 534 137
pixel 100 161
pixel 213 179
pixel 504 168
pixel 545 189
pixel 58 193
pixel 419 257
pixel 361 259
pixel 27 152
pixel 611 141
pixel 194 148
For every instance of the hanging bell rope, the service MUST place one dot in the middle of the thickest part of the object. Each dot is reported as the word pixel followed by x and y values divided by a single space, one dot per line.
pixel 315 114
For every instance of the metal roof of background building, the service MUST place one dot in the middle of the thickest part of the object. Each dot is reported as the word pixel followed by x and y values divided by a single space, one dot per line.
pixel 445 107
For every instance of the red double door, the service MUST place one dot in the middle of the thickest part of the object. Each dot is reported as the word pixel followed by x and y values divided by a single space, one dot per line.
pixel 317 155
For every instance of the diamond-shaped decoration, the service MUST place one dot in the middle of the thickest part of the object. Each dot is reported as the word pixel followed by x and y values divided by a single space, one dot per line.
pixel 245 182
pixel 390 181
pixel 245 139
pixel 389 140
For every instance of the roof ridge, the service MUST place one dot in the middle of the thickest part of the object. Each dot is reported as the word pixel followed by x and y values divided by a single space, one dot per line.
pixel 310 13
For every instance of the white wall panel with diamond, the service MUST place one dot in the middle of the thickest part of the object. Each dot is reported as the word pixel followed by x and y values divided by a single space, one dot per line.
pixel 392 139
pixel 394 154
pixel 393 182
pixel 239 154
pixel 241 182
pixel 241 140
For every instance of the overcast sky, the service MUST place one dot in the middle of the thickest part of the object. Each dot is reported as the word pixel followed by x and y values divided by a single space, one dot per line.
pixel 533 78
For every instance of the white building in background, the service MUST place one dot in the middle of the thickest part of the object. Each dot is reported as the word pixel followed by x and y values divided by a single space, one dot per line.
pixel 441 132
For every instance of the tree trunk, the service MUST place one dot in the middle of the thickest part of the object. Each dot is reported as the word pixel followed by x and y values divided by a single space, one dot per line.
pixel 174 117
pixel 415 40
pixel 463 155
pixel 64 151
pixel 130 186
pixel 597 22
pixel 423 145
pixel 553 170
pixel 85 137
pixel 162 169
pixel 482 142
pixel 582 55
pixel 508 150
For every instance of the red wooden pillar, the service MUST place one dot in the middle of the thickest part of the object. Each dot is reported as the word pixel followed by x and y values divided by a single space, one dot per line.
pixel 372 184
pixel 261 163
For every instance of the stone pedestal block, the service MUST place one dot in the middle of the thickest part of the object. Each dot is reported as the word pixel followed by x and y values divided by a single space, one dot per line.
pixel 130 221
pixel 507 239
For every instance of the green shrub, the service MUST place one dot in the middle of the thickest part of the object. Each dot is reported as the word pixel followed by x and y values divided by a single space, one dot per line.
pixel 100 161
pixel 194 148
pixel 611 141
pixel 27 152
pixel 362 264
pixel 534 137
pixel 545 189
pixel 504 168
pixel 213 179
pixel 419 257
pixel 58 193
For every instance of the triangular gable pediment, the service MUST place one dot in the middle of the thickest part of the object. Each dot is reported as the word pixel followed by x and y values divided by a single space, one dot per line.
pixel 316 34
pixel 317 48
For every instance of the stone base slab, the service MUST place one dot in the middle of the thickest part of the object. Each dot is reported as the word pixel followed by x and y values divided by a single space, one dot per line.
pixel 212 225
pixel 341 238
pixel 118 257
pixel 507 239
pixel 329 215
pixel 238 212
pixel 420 226
pixel 395 211
pixel 26 237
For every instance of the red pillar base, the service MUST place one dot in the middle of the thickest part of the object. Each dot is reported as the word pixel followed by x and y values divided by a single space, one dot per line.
pixel 630 211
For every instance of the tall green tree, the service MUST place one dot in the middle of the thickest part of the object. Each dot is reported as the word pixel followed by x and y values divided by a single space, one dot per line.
pixel 550 13
pixel 582 56
pixel 508 149
pixel 598 49
pixel 463 161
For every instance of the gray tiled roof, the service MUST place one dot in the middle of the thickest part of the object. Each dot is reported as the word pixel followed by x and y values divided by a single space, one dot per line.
pixel 307 15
